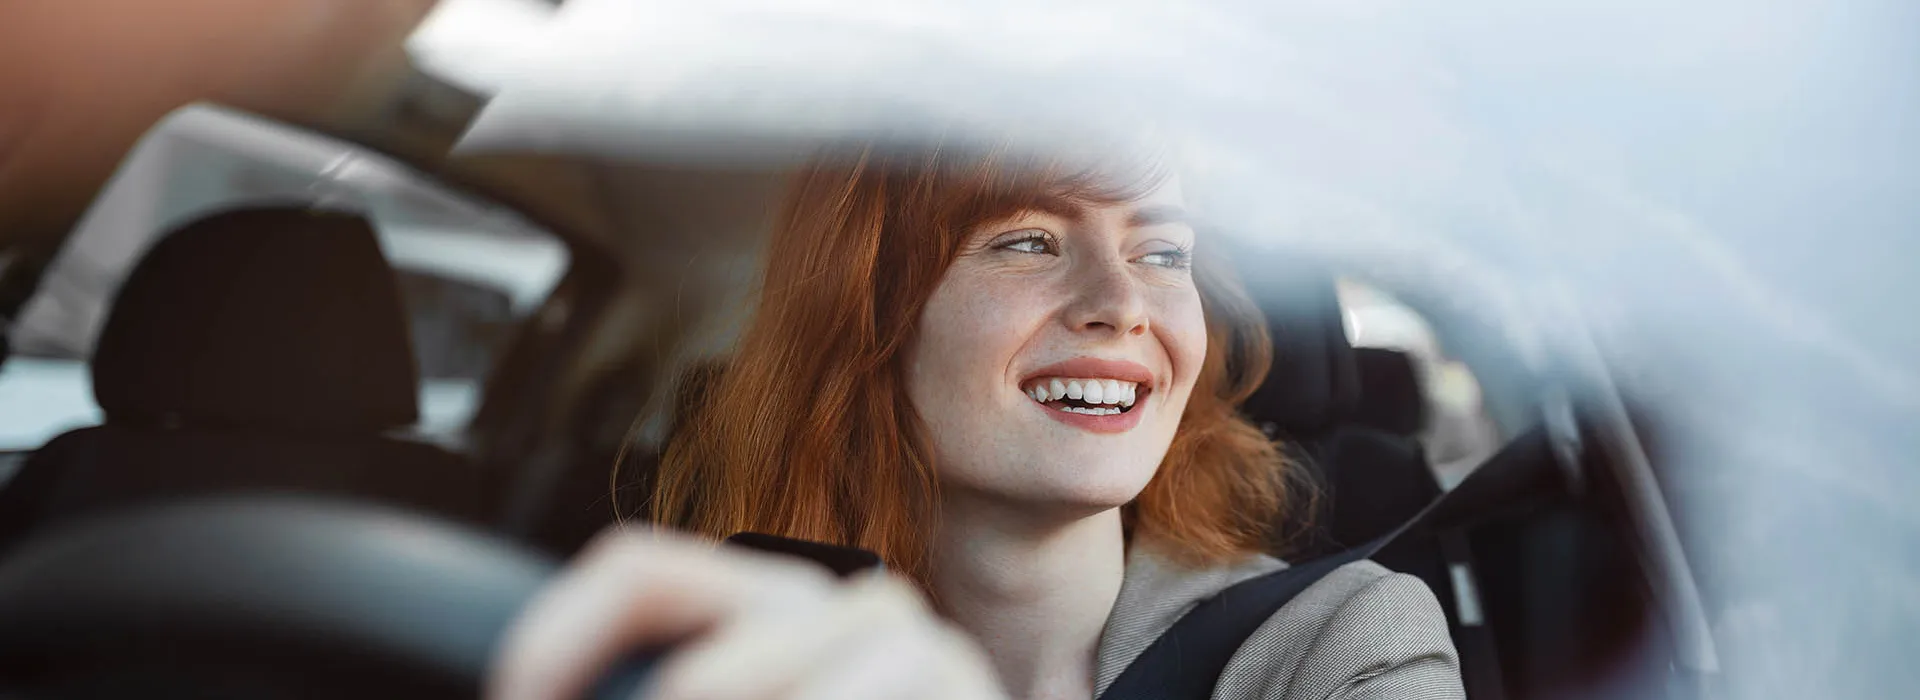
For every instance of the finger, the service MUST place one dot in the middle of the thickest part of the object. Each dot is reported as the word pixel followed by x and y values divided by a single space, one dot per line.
pixel 778 649
pixel 880 666
pixel 634 589
pixel 928 662
pixel 966 675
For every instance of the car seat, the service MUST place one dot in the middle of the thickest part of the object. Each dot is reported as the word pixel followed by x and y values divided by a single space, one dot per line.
pixel 260 349
pixel 1365 479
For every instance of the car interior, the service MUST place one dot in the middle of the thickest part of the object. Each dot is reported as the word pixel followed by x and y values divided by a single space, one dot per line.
pixel 264 343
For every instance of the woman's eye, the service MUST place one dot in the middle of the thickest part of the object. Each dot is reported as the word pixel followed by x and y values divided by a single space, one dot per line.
pixel 1037 243
pixel 1173 259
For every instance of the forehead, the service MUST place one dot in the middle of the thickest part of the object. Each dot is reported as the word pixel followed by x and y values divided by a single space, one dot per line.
pixel 1167 193
pixel 1164 203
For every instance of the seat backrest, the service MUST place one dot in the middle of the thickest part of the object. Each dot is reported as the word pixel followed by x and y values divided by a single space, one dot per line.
pixel 1390 392
pixel 260 349
pixel 1366 479
pixel 580 500
pixel 1384 476
pixel 1313 382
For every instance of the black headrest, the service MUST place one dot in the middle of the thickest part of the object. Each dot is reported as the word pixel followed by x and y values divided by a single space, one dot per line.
pixel 277 318
pixel 1390 397
pixel 1312 385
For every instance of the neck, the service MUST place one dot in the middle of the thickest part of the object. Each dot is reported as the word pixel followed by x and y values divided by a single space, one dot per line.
pixel 1036 593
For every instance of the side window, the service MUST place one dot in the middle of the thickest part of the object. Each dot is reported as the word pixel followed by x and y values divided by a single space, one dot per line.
pixel 1458 433
pixel 469 272
pixel 457 326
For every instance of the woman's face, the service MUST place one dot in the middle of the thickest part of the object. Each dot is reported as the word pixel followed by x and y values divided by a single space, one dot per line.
pixel 1053 361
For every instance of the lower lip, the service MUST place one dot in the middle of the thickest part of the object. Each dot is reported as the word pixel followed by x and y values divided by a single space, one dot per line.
pixel 1116 423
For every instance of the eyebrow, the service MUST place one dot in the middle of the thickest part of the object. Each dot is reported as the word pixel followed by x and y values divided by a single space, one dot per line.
pixel 1156 214
pixel 1060 206
pixel 1150 215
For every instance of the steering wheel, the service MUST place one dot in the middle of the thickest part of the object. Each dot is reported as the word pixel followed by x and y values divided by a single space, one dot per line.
pixel 262 597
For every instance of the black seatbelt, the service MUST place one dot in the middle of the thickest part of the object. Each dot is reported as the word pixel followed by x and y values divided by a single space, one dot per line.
pixel 1186 661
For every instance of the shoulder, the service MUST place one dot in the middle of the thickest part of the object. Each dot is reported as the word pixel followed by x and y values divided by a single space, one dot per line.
pixel 1359 632
pixel 1155 592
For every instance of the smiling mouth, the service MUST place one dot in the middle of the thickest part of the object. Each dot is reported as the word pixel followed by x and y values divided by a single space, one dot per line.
pixel 1087 396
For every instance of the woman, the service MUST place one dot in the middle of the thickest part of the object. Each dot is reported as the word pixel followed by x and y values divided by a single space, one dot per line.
pixel 1017 384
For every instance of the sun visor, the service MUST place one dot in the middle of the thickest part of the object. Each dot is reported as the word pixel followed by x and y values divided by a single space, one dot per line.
pixel 765 82
pixel 479 45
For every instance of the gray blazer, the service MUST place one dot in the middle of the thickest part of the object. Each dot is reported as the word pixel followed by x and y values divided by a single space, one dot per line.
pixel 1361 632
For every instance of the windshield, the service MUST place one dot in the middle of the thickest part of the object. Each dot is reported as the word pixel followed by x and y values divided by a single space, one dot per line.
pixel 1694 222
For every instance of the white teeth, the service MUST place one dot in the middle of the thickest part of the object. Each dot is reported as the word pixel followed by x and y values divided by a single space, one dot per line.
pixel 1111 392
pixel 1091 411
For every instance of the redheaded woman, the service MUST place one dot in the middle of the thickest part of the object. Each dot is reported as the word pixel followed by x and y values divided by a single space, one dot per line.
pixel 1017 383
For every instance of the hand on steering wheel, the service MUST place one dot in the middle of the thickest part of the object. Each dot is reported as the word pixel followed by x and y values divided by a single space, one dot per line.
pixel 747 625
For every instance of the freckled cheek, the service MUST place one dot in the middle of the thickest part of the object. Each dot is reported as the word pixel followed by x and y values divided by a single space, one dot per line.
pixel 971 330
pixel 1183 331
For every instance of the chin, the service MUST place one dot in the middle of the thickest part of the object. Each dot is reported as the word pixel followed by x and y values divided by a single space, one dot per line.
pixel 1055 489
pixel 1072 487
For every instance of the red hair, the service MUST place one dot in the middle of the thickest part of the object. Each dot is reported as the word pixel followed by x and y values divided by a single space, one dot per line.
pixel 808 432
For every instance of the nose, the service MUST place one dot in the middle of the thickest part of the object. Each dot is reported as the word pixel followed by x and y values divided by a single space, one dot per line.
pixel 1107 299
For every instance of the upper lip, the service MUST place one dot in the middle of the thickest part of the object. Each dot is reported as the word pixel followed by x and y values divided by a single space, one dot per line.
pixel 1096 368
